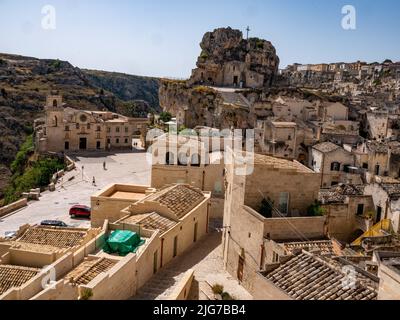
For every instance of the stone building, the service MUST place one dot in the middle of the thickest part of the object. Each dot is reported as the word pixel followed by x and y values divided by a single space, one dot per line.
pixel 67 129
pixel 289 109
pixel 36 255
pixel 316 277
pixel 348 210
pixel 377 125
pixel 378 158
pixel 335 164
pixel 334 111
pixel 287 188
pixel 228 60
pixel 280 139
pixel 389 274
pixel 386 198
pixel 174 218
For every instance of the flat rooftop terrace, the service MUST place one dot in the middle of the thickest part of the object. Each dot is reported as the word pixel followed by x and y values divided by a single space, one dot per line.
pixel 126 195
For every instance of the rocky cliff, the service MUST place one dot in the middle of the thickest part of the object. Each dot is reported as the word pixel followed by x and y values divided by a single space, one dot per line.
pixel 228 59
pixel 25 82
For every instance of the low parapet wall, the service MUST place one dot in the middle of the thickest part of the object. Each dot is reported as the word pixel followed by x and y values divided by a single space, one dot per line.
pixel 182 290
pixel 13 207
pixel 295 228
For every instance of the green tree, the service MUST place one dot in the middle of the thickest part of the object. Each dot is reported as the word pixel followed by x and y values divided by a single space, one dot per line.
pixel 165 117
pixel 316 210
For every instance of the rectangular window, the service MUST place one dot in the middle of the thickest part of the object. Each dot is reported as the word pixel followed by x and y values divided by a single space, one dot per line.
pixel 66 128
pixel 196 227
pixel 284 202
pixel 360 209
pixel 88 126
pixel 77 126
pixel 108 130
pixel 126 129
pixel 117 129
pixel 175 246
pixel 98 128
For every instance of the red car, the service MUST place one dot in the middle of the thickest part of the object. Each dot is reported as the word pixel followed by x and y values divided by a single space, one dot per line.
pixel 80 211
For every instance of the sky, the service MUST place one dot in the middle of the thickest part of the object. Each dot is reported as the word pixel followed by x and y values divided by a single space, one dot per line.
pixel 161 37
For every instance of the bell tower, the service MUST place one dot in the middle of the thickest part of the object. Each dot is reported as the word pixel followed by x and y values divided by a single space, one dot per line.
pixel 54 111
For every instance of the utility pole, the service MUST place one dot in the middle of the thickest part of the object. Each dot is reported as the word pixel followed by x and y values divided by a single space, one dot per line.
pixel 248 30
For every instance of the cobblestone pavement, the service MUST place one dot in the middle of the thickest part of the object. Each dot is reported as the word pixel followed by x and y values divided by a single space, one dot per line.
pixel 121 168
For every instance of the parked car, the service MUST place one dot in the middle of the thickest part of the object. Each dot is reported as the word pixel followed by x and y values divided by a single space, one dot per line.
pixel 10 234
pixel 80 211
pixel 54 223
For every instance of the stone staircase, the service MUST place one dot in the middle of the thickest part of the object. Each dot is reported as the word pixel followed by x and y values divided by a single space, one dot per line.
pixel 161 286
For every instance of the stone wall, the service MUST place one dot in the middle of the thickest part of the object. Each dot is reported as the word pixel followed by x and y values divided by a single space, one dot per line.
pixel 389 285
pixel 13 207
pixel 295 228
pixel 266 182
pixel 265 290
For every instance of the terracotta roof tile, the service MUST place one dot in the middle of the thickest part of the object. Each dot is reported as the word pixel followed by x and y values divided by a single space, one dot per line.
pixel 305 277
pixel 152 221
pixel 89 270
pixel 180 199
pixel 15 276
pixel 59 238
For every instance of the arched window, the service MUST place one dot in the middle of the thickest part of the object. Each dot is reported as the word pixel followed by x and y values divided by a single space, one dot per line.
pixel 195 160
pixel 182 159
pixel 55 103
pixel 55 121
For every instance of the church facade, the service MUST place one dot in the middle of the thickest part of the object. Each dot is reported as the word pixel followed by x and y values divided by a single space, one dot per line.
pixel 66 129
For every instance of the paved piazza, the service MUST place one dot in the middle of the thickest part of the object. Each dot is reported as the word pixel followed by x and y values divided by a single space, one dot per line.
pixel 129 167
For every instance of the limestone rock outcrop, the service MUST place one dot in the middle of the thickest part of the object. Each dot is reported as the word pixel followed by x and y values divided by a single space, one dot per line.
pixel 227 59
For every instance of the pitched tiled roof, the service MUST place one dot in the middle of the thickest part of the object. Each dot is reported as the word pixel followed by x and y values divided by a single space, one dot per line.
pixel 15 276
pixel 392 189
pixel 305 277
pixel 326 147
pixel 151 221
pixel 324 246
pixel 180 198
pixel 339 193
pixel 90 269
pixel 59 238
